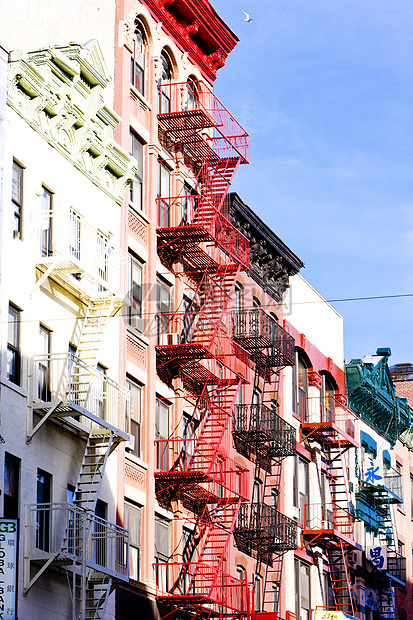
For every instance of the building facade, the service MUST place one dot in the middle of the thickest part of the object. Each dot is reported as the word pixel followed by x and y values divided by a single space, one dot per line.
pixel 63 281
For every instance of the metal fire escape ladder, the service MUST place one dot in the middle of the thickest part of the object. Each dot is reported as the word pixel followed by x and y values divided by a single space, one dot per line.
pixel 387 537
pixel 211 253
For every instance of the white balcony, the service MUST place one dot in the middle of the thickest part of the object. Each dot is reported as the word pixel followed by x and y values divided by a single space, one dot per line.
pixel 79 257
pixel 63 386
pixel 69 536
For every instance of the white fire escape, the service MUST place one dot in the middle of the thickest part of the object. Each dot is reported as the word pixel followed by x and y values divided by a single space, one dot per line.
pixel 69 537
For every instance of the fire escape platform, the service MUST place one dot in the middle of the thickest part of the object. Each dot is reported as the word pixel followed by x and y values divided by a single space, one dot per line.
pixel 70 410
pixel 329 538
pixel 328 433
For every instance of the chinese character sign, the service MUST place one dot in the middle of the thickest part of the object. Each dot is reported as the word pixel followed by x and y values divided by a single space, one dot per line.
pixel 372 472
pixel 8 568
pixel 378 557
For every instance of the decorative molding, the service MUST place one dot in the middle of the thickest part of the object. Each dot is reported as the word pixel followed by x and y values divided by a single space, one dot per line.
pixel 315 379
pixel 58 91
pixel 271 261
pixel 303 340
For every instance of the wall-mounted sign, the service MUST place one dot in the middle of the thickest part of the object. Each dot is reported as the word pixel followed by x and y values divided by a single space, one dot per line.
pixel 8 569
pixel 377 556
pixel 373 471
pixel 329 614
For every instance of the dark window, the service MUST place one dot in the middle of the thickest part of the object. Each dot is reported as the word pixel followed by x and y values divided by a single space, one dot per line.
pixel 163 194
pixel 164 84
pixel 136 148
pixel 101 392
pixel 163 311
pixel 189 205
pixel 136 280
pixel 161 553
pixel 328 402
pixel 17 199
pixel 46 223
pixel 188 556
pixel 44 493
pixel 11 486
pixel 189 439
pixel 13 345
pixel 99 534
pixel 300 387
pixel 43 370
pixel 132 522
pixel 138 60
pixel 135 415
pixel 162 434
pixel 192 102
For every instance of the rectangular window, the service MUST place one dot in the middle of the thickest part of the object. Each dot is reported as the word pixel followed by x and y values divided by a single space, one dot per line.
pixel 164 312
pixel 162 435
pixel 99 534
pixel 17 199
pixel 135 414
pixel 13 345
pixel 44 494
pixel 163 193
pixel 11 486
pixel 189 556
pixel 43 370
pixel 302 590
pixel 136 282
pixel 132 522
pixel 161 553
pixel 301 487
pixel 136 148
pixel 46 223
pixel 74 235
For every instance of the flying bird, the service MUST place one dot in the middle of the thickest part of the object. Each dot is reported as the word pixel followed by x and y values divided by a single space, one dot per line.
pixel 247 17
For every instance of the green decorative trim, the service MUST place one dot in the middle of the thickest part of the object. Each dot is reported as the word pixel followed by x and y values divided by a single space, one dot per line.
pixel 371 394
pixel 58 91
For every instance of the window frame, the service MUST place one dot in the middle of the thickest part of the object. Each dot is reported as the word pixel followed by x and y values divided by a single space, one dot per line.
pixel 136 189
pixel 11 501
pixel 163 192
pixel 17 197
pixel 13 355
pixel 162 450
pixel 135 535
pixel 135 310
pixel 138 67
pixel 46 233
pixel 135 425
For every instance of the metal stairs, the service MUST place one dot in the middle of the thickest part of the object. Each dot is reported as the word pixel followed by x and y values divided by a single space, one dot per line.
pixel 98 312
pixel 340 578
pixel 101 443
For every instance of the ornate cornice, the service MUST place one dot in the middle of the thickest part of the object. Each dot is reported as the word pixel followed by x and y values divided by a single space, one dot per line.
pixel 271 261
pixel 197 29
pixel 58 91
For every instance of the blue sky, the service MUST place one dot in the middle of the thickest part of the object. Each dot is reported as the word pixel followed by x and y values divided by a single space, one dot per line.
pixel 325 90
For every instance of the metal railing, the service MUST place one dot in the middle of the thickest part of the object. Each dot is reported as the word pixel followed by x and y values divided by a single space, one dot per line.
pixel 85 390
pixel 327 411
pixel 396 565
pixel 196 102
pixel 265 529
pixel 77 535
pixel 258 425
pixel 330 516
pixel 200 580
pixel 226 476
pixel 257 329
pixel 80 254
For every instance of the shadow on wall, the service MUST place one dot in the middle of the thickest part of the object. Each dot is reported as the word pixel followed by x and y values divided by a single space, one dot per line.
pixel 134 602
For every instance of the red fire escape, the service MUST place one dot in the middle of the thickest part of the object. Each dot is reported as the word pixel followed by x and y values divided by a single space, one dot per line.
pixel 197 241
pixel 331 524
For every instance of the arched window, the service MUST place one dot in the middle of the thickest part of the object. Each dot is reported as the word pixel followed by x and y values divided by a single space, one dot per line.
pixel 193 95
pixel 138 60
pixel 327 399
pixel 300 386
pixel 164 84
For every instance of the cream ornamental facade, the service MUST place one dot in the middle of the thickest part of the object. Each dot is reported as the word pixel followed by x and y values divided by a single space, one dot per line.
pixel 63 287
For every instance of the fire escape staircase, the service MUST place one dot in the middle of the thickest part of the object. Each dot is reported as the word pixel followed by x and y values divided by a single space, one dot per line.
pixel 261 435
pixel 331 524
pixel 381 497
pixel 210 253
pixel 69 387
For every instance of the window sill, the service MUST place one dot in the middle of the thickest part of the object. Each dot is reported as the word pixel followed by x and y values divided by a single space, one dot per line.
pixel 141 98
pixel 136 460
pixel 138 335
pixel 140 213
pixel 13 386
